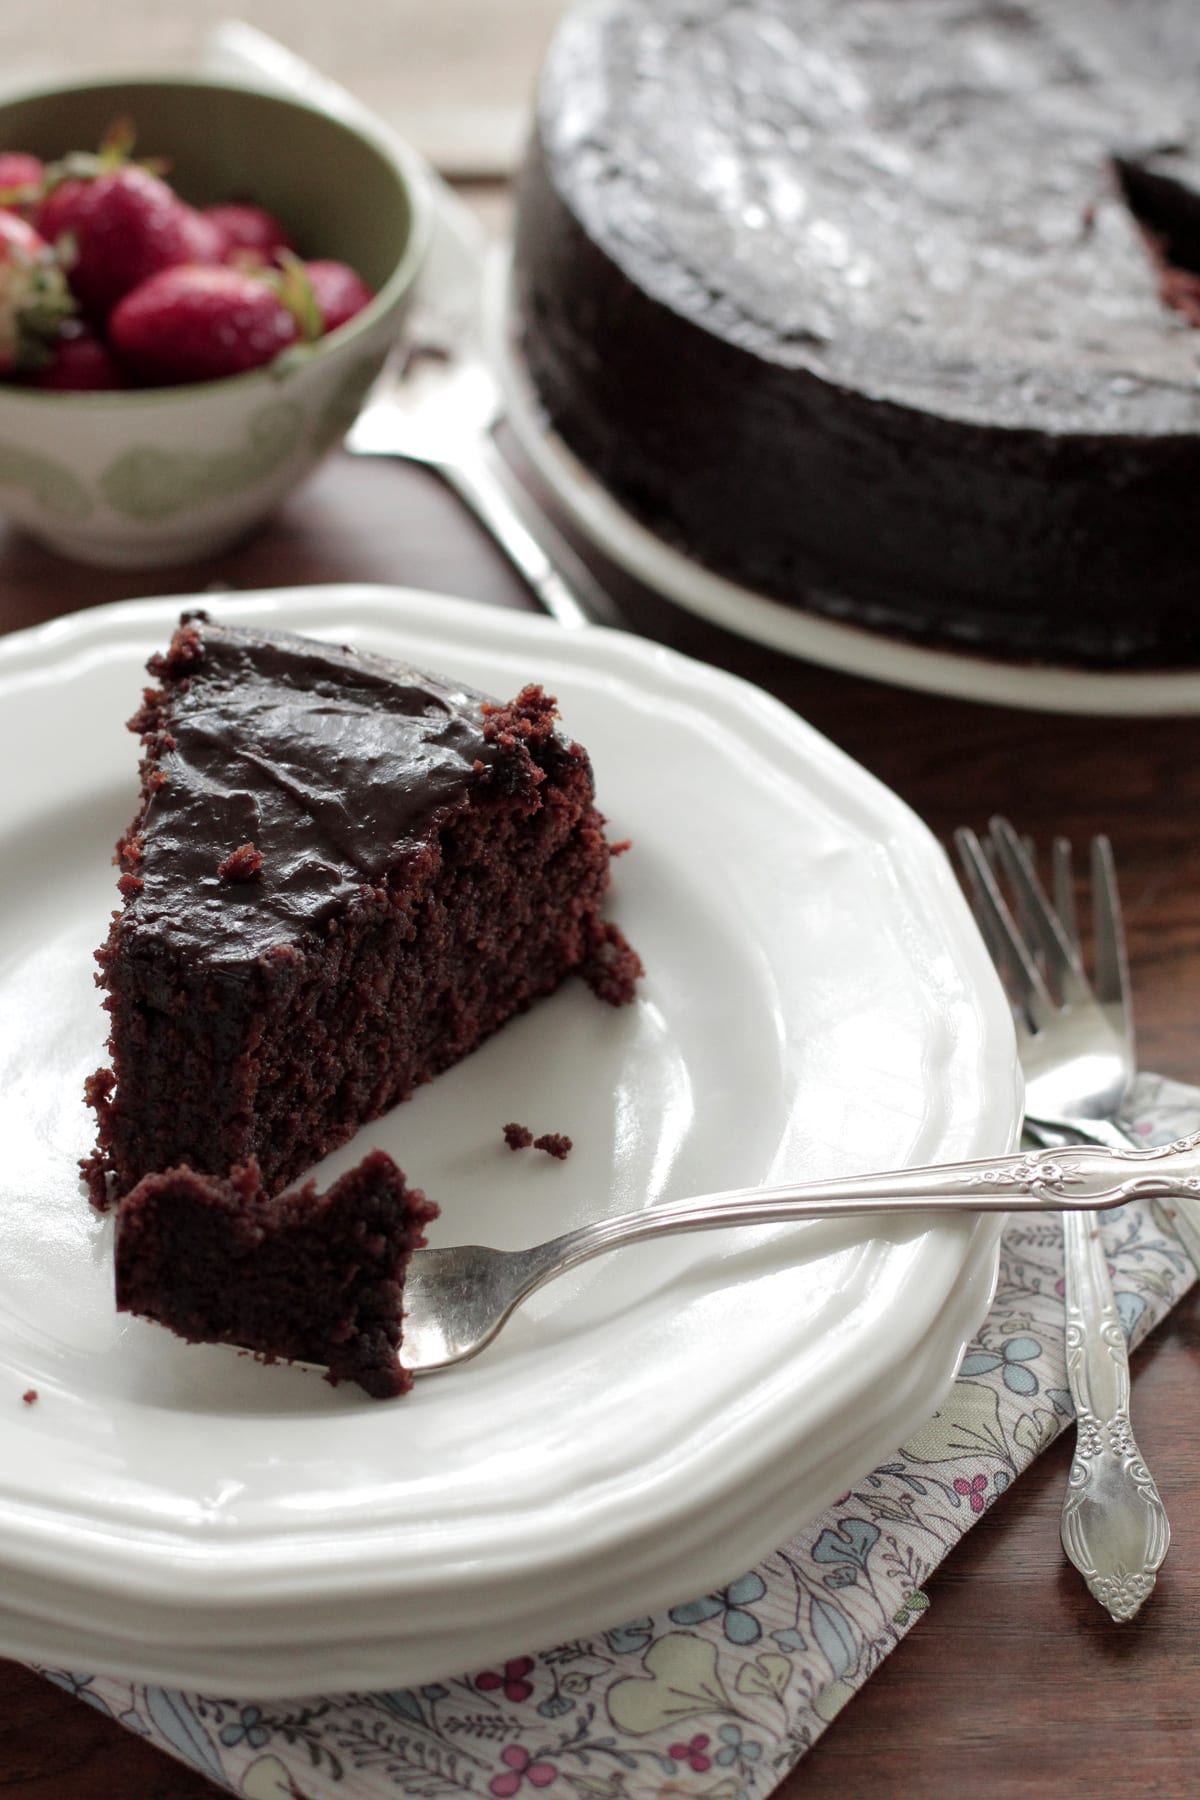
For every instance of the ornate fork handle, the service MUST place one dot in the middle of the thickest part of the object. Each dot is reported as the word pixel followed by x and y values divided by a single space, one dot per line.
pixel 458 1298
pixel 1184 1220
pixel 1076 1178
pixel 1114 1525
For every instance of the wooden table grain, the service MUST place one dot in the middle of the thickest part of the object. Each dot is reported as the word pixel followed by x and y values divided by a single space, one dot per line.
pixel 1013 1681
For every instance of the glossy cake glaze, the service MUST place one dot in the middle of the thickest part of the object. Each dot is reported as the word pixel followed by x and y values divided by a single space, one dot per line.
pixel 849 299
pixel 343 876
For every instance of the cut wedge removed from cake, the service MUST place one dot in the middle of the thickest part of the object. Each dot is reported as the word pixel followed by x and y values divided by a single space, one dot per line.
pixel 344 875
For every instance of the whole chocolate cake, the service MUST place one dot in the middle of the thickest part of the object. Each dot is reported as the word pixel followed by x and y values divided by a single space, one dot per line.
pixel 881 307
pixel 344 874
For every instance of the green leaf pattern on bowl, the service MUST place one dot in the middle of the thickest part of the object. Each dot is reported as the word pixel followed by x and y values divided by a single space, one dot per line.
pixel 47 481
pixel 149 482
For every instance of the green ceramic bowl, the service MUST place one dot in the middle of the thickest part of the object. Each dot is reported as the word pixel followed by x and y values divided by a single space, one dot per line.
pixel 162 475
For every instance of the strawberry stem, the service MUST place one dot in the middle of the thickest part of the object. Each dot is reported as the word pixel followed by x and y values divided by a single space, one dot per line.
pixel 115 152
pixel 296 292
pixel 116 146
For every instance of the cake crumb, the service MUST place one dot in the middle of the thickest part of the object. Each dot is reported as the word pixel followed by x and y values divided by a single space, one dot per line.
pixel 611 966
pixel 554 1143
pixel 242 864
pixel 30 1396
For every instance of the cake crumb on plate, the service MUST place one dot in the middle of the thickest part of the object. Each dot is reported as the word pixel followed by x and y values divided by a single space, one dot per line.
pixel 554 1143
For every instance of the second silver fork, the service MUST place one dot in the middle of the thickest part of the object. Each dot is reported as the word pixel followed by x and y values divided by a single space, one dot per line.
pixel 437 403
pixel 1076 1050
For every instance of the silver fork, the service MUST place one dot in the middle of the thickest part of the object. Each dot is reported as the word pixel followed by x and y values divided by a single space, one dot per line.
pixel 457 1299
pixel 1114 992
pixel 437 400
pixel 1096 1110
pixel 1076 1048
pixel 436 404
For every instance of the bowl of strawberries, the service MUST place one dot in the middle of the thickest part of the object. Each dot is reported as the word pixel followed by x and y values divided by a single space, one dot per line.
pixel 198 284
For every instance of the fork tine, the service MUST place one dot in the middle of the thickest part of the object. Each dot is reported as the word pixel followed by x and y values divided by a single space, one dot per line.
pixel 1112 962
pixel 1064 891
pixel 1008 949
pixel 1026 923
pixel 1060 955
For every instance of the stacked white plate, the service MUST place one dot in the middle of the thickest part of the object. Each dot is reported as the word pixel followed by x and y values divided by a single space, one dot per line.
pixel 816 1002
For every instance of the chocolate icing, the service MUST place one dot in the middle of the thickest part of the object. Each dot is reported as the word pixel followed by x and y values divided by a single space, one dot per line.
pixel 912 199
pixel 847 298
pixel 343 876
pixel 301 726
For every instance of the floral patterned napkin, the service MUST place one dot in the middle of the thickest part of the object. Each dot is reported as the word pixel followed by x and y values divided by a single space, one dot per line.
pixel 720 1696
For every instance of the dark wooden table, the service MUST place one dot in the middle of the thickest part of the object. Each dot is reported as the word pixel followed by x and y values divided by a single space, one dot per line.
pixel 1013 1683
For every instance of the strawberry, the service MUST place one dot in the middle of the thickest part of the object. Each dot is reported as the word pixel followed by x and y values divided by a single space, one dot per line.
pixel 79 363
pixel 34 296
pixel 338 291
pixel 197 323
pixel 21 179
pixel 122 225
pixel 251 233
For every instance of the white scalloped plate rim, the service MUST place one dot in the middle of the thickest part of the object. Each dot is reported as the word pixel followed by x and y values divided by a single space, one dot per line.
pixel 598 1537
pixel 324 1658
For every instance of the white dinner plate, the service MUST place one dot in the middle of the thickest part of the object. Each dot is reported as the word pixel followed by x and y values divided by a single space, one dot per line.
pixel 855 649
pixel 816 1003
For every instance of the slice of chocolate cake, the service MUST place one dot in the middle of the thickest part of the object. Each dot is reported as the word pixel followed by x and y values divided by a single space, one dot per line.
pixel 343 876
pixel 301 1276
